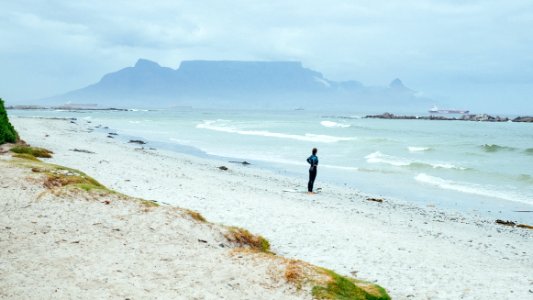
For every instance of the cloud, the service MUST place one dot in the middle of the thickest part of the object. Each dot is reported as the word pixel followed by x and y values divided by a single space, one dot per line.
pixel 426 43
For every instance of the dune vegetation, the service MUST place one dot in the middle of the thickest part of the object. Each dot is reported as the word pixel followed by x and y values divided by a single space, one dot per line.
pixel 7 131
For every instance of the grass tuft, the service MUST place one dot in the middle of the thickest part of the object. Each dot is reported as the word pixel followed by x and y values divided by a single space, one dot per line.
pixel 58 176
pixel 294 273
pixel 26 156
pixel 344 288
pixel 148 203
pixel 196 215
pixel 54 180
pixel 243 237
pixel 34 151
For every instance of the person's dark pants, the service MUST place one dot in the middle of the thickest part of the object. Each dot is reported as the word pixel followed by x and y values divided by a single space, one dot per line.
pixel 312 176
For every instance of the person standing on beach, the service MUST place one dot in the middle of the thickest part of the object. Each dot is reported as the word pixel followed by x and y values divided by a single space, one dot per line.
pixel 313 161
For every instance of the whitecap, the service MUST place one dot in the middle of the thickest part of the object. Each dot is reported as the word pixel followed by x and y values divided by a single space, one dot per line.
pixel 418 149
pixel 378 157
pixel 471 188
pixel 211 125
pixel 446 166
pixel 331 124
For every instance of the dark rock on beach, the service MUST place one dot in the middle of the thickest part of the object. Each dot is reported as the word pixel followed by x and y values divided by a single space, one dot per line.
pixel 379 200
pixel 137 142
pixel 513 224
pixel 506 223
pixel 240 162
pixel 223 168
pixel 82 150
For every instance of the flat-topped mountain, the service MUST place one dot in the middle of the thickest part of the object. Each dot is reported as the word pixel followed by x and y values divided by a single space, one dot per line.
pixel 221 83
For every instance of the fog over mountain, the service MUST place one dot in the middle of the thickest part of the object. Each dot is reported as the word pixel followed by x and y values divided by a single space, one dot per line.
pixel 237 84
pixel 470 54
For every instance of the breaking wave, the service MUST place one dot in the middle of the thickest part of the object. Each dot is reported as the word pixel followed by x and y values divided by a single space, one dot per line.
pixel 378 157
pixel 471 188
pixel 331 124
pixel 496 148
pixel 418 149
pixel 308 137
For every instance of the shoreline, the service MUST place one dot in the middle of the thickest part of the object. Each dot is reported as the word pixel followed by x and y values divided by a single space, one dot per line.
pixel 489 209
pixel 451 193
pixel 338 228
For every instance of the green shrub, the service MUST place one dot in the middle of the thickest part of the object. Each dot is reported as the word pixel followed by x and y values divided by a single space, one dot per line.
pixel 7 131
pixel 35 151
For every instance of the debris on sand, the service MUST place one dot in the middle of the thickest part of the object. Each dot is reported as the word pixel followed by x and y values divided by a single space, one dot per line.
pixel 375 199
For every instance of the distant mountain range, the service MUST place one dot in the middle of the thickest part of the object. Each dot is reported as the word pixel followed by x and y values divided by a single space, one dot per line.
pixel 246 84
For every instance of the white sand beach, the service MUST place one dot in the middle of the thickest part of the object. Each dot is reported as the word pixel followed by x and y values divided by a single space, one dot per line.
pixel 413 252
pixel 71 247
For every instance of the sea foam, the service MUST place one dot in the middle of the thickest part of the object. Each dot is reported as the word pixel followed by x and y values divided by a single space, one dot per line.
pixel 471 188
pixel 378 157
pixel 211 125
pixel 331 124
pixel 418 149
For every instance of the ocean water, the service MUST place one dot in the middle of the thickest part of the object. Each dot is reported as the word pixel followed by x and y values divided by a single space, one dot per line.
pixel 472 167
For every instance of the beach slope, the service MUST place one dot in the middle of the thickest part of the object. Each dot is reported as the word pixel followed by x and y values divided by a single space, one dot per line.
pixel 64 235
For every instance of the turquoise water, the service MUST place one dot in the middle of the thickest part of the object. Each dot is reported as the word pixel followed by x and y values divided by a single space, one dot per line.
pixel 473 167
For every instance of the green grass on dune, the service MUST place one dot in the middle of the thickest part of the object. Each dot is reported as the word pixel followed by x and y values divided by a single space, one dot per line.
pixel 26 156
pixel 243 237
pixel 58 176
pixel 344 288
pixel 34 151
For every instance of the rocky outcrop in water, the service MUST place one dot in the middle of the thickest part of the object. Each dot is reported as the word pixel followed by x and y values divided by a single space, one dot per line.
pixel 471 117
pixel 483 118
pixel 523 119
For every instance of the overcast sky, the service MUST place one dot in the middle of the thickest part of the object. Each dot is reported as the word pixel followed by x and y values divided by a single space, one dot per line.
pixel 456 51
